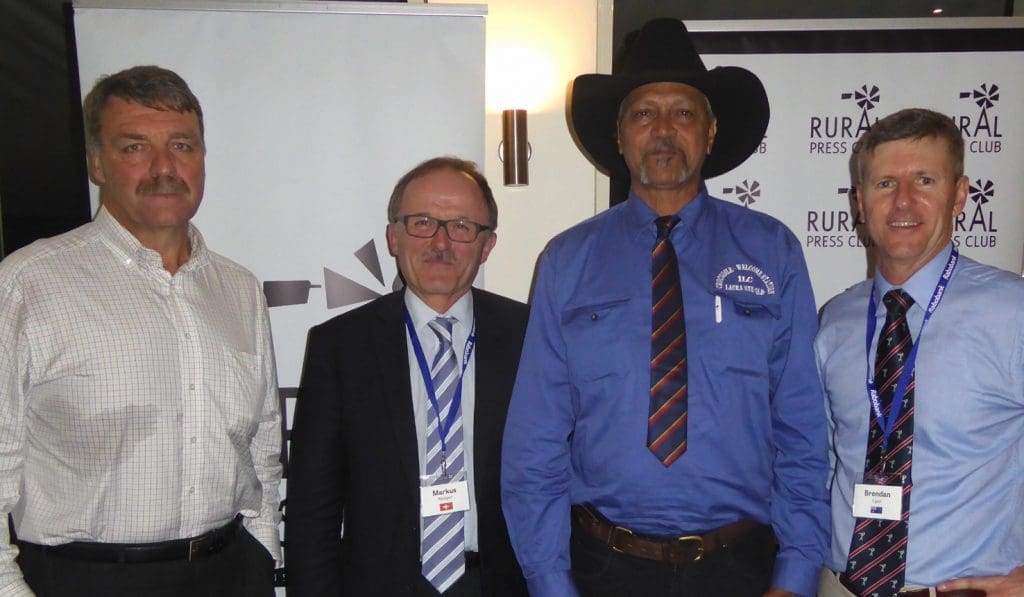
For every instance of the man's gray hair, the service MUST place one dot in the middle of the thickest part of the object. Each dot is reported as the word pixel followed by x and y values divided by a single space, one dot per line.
pixel 444 163
pixel 149 86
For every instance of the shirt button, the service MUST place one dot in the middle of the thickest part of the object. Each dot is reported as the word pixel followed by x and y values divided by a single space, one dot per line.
pixel 191 490
pixel 192 440
pixel 188 336
pixel 192 386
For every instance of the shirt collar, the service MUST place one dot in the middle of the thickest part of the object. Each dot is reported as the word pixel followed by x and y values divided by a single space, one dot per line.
pixel 129 249
pixel 922 284
pixel 421 314
pixel 640 217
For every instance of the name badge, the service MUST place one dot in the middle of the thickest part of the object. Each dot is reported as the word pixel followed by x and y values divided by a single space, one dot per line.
pixel 884 502
pixel 444 498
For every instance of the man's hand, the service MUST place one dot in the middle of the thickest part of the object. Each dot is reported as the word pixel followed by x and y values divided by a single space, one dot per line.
pixel 773 592
pixel 1011 585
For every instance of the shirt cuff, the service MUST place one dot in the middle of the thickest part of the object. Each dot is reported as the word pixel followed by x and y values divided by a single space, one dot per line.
pixel 796 575
pixel 552 584
pixel 17 588
pixel 268 536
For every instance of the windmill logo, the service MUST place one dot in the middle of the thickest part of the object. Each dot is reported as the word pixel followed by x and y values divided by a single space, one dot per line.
pixel 977 217
pixel 985 124
pixel 985 95
pixel 836 134
pixel 341 291
pixel 747 192
pixel 982 192
pixel 864 98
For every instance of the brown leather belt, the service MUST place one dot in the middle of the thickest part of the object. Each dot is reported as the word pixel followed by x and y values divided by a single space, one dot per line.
pixel 678 551
pixel 919 592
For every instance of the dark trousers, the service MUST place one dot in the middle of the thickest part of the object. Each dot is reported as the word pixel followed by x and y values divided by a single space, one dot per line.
pixel 243 568
pixel 744 568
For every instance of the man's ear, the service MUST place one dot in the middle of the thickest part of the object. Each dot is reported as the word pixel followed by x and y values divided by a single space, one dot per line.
pixel 492 238
pixel 392 241
pixel 860 205
pixel 712 131
pixel 963 187
pixel 95 166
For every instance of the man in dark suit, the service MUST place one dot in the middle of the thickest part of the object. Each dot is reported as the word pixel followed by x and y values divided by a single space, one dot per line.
pixel 382 497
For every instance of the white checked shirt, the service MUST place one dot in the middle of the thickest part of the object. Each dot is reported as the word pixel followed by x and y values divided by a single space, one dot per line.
pixel 135 406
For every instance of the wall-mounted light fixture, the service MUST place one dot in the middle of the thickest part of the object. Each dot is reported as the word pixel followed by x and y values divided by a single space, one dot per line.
pixel 514 150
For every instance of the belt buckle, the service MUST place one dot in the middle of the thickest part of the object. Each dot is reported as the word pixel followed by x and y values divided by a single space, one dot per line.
pixel 611 537
pixel 194 547
pixel 700 544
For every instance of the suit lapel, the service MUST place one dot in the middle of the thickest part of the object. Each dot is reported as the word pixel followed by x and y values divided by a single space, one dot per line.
pixel 491 373
pixel 392 359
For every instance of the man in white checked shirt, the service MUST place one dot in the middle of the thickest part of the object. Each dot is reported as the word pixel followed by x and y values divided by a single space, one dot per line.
pixel 139 419
pixel 398 425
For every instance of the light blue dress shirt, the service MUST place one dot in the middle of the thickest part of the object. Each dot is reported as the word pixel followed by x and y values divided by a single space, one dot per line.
pixel 577 425
pixel 967 501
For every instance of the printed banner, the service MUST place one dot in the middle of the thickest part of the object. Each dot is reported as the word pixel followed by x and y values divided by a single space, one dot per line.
pixel 822 101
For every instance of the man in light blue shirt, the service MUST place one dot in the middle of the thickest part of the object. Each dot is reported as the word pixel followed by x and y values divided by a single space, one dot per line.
pixel 965 482
pixel 743 510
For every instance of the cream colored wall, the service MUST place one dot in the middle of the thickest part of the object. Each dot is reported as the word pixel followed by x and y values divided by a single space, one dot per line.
pixel 562 182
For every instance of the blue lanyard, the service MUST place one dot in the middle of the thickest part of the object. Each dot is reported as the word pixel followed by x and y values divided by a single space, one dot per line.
pixel 887 426
pixel 453 411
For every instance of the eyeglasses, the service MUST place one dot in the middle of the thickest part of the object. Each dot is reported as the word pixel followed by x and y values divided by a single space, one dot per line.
pixel 459 230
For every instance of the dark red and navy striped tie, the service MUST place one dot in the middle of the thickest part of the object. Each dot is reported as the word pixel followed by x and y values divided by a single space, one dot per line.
pixel 878 549
pixel 666 423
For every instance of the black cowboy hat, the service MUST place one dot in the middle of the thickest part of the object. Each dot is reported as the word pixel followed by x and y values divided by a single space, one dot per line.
pixel 663 52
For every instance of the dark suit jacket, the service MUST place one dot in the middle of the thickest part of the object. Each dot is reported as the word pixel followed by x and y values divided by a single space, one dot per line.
pixel 354 456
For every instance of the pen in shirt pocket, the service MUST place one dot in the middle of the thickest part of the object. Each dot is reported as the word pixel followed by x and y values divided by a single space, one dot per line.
pixel 718 308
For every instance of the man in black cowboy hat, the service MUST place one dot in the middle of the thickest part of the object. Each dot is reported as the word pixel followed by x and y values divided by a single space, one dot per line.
pixel 667 432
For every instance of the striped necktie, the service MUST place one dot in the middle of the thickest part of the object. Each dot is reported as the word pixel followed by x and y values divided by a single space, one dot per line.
pixel 442 551
pixel 878 549
pixel 666 421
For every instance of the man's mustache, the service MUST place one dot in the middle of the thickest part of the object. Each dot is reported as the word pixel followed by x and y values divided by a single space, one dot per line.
pixel 665 145
pixel 165 185
pixel 441 256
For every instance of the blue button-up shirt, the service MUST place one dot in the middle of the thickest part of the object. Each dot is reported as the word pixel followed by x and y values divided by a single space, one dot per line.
pixel 577 425
pixel 967 501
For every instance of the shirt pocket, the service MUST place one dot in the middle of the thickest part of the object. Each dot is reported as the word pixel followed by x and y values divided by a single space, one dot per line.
pixel 594 338
pixel 742 342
